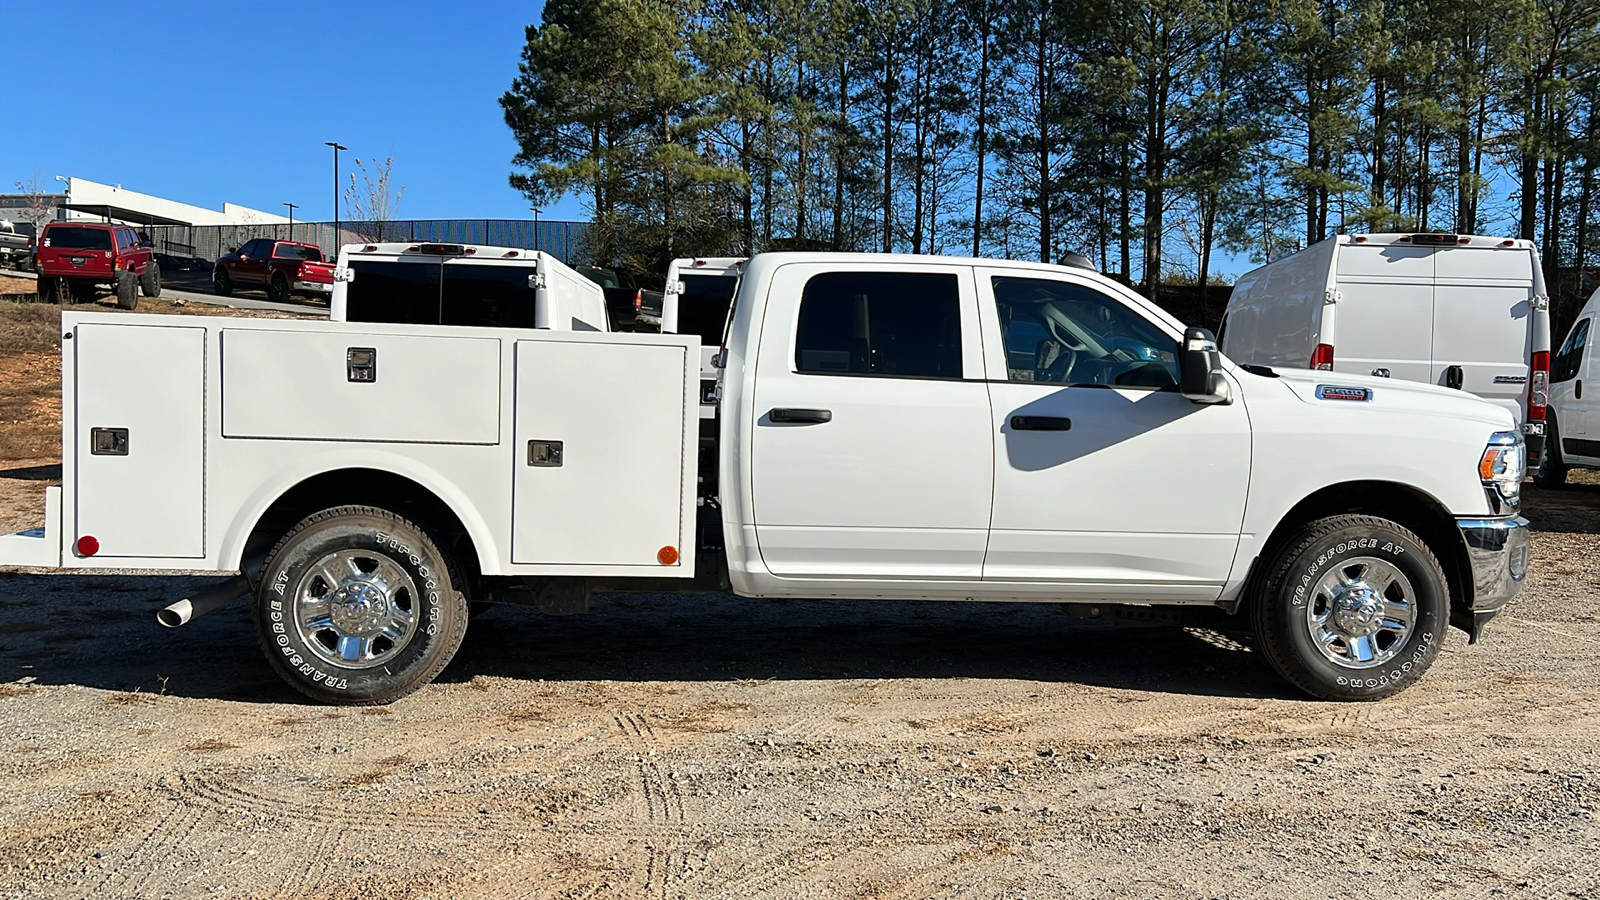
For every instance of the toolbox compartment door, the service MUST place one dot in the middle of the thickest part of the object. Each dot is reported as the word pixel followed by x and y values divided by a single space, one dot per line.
pixel 139 439
pixel 348 386
pixel 600 460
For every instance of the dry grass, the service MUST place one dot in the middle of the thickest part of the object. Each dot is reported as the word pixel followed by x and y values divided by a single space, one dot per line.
pixel 129 698
pixel 7 691
pixel 211 745
pixel 30 368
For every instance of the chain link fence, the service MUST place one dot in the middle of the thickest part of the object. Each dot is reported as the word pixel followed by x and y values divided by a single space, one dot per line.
pixel 204 243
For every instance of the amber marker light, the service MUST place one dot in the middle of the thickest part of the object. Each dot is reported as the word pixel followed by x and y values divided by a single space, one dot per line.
pixel 667 556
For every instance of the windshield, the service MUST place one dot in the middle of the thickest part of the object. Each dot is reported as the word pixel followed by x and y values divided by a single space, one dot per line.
pixel 603 277
pixel 73 237
pixel 298 251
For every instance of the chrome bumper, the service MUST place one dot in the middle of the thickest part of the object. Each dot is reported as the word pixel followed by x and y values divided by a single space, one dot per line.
pixel 1498 552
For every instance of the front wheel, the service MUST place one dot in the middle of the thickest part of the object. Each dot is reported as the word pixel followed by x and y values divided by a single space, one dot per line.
pixel 150 281
pixel 221 282
pixel 1353 608
pixel 359 606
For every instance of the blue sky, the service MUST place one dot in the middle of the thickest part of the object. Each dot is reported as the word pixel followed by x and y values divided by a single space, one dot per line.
pixel 206 102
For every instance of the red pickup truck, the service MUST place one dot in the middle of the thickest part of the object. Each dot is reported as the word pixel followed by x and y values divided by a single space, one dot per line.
pixel 284 269
pixel 79 259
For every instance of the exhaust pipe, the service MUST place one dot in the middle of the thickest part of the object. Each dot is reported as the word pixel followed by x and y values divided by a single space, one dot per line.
pixel 214 597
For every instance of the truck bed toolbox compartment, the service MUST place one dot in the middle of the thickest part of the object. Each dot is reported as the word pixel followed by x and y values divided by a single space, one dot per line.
pixel 348 386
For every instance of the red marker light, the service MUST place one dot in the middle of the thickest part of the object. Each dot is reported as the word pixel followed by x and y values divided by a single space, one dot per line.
pixel 88 545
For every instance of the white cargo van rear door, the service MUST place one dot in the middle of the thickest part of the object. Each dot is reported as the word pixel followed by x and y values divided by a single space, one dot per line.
pixel 1383 318
pixel 1481 322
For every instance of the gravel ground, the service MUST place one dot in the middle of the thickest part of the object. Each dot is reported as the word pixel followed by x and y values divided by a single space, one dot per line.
pixel 691 746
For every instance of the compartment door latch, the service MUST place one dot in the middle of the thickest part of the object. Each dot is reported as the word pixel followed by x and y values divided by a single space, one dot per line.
pixel 361 364
pixel 108 442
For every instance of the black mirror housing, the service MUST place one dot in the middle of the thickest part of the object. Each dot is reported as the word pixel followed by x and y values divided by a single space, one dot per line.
pixel 1200 377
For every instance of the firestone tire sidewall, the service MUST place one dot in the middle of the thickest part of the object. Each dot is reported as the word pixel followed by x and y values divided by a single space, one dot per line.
pixel 440 610
pixel 1291 647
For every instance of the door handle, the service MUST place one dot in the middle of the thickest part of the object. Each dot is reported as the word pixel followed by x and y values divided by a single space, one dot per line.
pixel 1041 423
pixel 1454 377
pixel 1577 390
pixel 801 416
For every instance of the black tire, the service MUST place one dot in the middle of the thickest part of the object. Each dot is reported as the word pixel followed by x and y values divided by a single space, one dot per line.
pixel 222 282
pixel 1290 599
pixel 49 289
pixel 414 586
pixel 150 281
pixel 127 290
pixel 1552 472
pixel 278 289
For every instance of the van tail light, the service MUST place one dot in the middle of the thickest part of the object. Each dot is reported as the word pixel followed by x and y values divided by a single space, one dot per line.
pixel 1539 386
pixel 638 299
pixel 1322 358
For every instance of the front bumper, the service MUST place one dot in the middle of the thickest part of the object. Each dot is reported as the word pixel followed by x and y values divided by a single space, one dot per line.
pixel 1497 550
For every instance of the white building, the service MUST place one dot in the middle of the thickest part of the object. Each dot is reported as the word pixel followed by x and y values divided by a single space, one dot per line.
pixel 85 199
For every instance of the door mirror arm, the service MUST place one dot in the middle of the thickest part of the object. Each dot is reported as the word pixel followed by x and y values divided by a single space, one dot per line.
pixel 1200 376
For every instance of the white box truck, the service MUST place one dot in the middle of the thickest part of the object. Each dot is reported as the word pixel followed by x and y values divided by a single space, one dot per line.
pixel 878 436
pixel 1462 311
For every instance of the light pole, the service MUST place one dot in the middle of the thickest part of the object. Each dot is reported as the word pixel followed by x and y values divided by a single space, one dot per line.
pixel 336 148
pixel 536 212
pixel 292 208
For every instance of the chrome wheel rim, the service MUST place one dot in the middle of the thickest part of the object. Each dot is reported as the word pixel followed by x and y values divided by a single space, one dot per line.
pixel 1362 613
pixel 356 609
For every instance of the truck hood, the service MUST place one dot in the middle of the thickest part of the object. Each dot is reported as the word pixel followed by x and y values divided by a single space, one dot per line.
pixel 1409 397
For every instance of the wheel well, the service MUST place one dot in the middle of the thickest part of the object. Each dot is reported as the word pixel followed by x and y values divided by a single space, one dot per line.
pixel 363 487
pixel 1415 510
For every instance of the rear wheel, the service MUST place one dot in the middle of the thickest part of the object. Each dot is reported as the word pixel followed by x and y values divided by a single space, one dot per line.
pixel 278 290
pixel 221 282
pixel 360 606
pixel 1353 608
pixel 1552 471
pixel 127 290
pixel 150 281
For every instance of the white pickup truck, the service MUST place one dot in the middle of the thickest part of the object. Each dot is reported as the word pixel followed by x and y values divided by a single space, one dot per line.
pixel 888 427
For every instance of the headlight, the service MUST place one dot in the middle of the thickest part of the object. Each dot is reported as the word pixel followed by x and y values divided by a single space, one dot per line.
pixel 1504 464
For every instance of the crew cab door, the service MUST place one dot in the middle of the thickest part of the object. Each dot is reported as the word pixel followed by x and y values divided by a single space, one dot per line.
pixel 1108 483
pixel 871 451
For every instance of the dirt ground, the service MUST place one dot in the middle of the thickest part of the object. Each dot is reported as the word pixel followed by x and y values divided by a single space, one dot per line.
pixel 708 746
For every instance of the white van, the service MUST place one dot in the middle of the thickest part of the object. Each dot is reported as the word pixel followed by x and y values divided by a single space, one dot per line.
pixel 1574 418
pixel 1462 311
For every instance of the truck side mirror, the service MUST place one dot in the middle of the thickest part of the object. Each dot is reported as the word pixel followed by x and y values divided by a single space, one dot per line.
pixel 1200 377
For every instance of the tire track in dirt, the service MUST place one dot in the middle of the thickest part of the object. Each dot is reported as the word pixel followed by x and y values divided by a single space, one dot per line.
pixel 665 860
pixel 153 855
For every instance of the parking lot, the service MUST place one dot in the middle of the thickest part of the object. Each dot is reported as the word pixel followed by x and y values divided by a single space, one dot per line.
pixel 689 746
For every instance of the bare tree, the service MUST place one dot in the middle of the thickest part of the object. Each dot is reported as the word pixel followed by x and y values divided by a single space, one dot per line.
pixel 41 205
pixel 371 203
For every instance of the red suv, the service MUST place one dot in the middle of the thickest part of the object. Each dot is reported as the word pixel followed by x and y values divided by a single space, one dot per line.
pixel 77 260
pixel 284 268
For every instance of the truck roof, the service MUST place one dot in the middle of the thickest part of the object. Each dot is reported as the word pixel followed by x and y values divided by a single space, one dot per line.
pixel 762 260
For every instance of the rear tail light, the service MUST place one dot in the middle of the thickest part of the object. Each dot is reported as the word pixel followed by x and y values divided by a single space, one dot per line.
pixel 638 299
pixel 1322 358
pixel 116 263
pixel 1539 386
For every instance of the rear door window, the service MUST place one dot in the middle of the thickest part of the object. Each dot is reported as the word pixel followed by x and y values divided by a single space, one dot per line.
pixel 76 237
pixel 487 296
pixel 894 324
pixel 398 292
pixel 703 305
